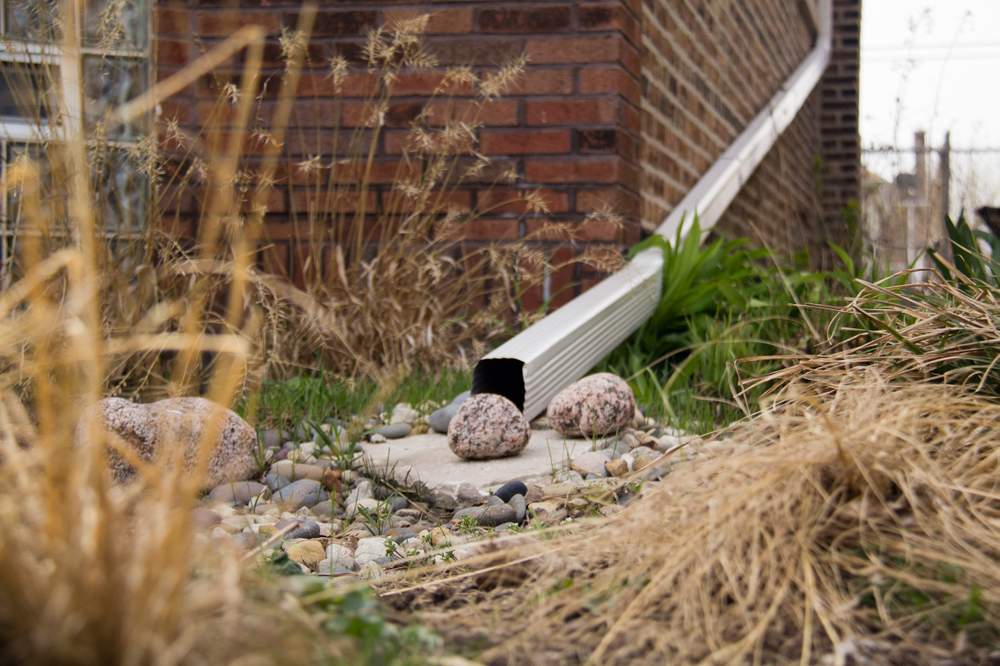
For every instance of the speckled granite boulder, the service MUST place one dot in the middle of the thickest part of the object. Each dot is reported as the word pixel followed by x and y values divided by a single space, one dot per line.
pixel 152 427
pixel 594 406
pixel 488 426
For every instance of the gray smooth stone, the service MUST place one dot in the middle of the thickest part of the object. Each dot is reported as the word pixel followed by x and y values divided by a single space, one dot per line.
pixel 489 516
pixel 440 418
pixel 275 481
pixel 397 502
pixel 323 510
pixel 394 430
pixel 304 529
pixel 293 471
pixel 304 492
pixel 520 506
pixel 238 492
pixel 272 438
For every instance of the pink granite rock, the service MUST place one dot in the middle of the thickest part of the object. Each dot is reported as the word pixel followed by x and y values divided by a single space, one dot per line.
pixel 152 429
pixel 594 406
pixel 488 426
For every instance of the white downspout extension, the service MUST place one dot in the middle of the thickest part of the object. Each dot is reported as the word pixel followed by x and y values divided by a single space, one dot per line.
pixel 549 355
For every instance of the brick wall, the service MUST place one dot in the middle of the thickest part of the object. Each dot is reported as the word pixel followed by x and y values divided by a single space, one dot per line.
pixel 624 103
pixel 708 68
pixel 570 129
pixel 841 144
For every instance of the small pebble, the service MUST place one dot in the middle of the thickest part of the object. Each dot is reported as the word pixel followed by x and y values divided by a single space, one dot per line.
pixel 304 529
pixel 293 471
pixel 323 510
pixel 567 476
pixel 397 502
pixel 403 413
pixel 272 439
pixel 616 467
pixel 340 556
pixel 304 492
pixel 489 516
pixel 306 552
pixel 591 463
pixel 511 488
pixel 520 507
pixel 370 549
pixel 394 430
pixel 275 481
pixel 439 419
pixel 239 492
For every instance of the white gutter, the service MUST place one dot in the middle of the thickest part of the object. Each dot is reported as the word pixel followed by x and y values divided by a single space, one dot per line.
pixel 544 358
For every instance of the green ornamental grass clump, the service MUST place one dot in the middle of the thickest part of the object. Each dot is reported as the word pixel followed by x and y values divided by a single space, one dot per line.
pixel 728 311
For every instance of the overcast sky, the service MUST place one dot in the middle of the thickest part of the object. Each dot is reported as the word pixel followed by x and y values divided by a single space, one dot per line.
pixel 934 65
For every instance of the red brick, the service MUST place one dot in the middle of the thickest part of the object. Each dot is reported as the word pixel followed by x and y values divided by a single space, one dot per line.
pixel 318 84
pixel 524 19
pixel 172 21
pixel 561 283
pixel 573 170
pixel 538 81
pixel 273 258
pixel 616 199
pixel 593 80
pixel 519 142
pixel 610 16
pixel 442 21
pixel 599 48
pixel 498 200
pixel 171 52
pixel 478 50
pixel 337 23
pixel 501 112
pixel 225 22
pixel 532 298
pixel 488 229
pixel 176 109
pixel 319 201
pixel 439 201
pixel 416 83
pixel 571 112
pixel 598 228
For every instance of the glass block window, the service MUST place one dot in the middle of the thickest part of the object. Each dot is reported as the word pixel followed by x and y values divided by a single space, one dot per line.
pixel 115 36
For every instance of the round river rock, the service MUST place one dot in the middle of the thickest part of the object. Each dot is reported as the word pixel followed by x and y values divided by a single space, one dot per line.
pixel 488 426
pixel 151 429
pixel 594 406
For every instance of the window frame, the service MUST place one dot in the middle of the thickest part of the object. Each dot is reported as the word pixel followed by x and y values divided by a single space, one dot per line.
pixel 26 131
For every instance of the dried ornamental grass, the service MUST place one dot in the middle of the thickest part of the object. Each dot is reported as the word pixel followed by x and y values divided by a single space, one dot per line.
pixel 92 572
pixel 849 519
pixel 933 330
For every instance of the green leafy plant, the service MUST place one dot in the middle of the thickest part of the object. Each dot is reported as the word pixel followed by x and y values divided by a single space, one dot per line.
pixel 468 525
pixel 727 311
pixel 358 615
pixel 969 260
pixel 340 445
pixel 376 520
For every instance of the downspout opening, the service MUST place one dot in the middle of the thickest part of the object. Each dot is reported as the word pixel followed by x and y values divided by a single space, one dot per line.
pixel 502 376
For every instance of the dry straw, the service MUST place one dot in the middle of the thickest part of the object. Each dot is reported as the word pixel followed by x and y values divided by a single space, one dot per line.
pixel 90 572
pixel 853 518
